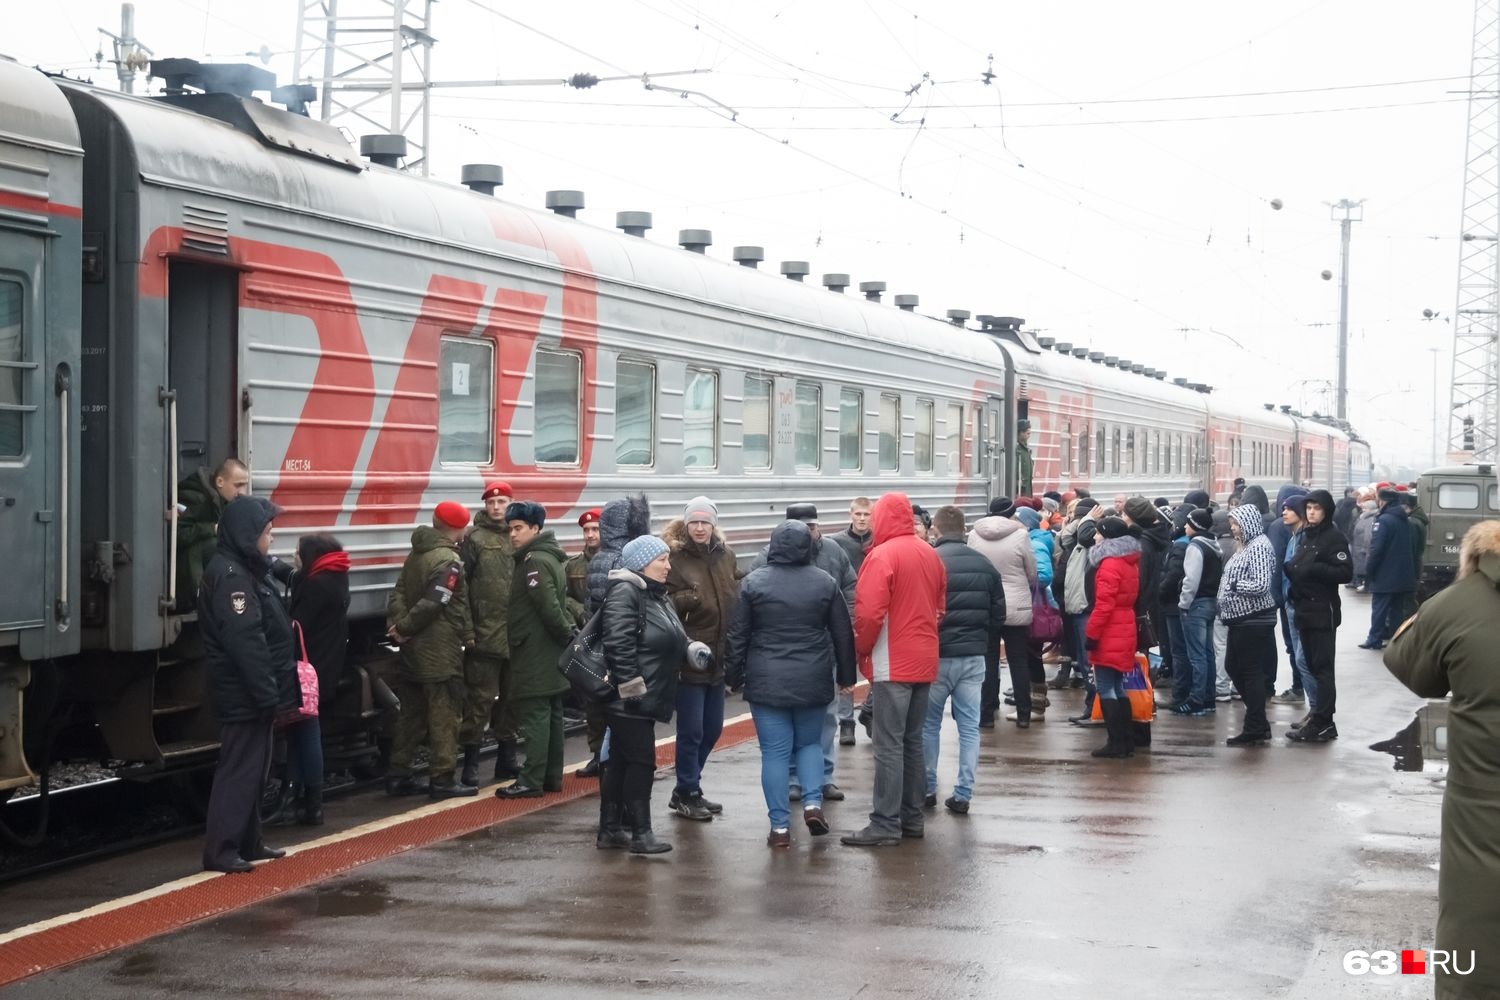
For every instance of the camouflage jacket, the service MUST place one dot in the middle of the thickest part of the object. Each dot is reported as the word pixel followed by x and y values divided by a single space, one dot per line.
pixel 577 570
pixel 539 622
pixel 429 609
pixel 489 567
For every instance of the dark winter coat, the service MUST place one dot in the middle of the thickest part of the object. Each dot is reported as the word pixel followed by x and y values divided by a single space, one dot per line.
pixel 1193 500
pixel 247 635
pixel 642 638
pixel 829 558
pixel 1389 568
pixel 1280 535
pixel 704 586
pixel 489 568
pixel 429 609
pixel 1364 535
pixel 619 522
pixel 1316 570
pixel 1417 518
pixel 1344 514
pixel 854 546
pixel 320 607
pixel 1155 539
pixel 197 525
pixel 1255 496
pixel 540 626
pixel 1169 589
pixel 791 632
pixel 976 601
pixel 1449 647
pixel 1110 634
pixel 577 571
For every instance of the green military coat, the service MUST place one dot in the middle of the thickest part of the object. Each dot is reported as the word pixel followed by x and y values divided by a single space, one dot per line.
pixel 197 531
pixel 1449 646
pixel 540 626
pixel 429 609
pixel 490 566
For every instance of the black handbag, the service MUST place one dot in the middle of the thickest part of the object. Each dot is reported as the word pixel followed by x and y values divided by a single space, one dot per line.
pixel 583 663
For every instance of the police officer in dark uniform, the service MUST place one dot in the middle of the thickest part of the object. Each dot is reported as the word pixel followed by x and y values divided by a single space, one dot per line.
pixel 248 650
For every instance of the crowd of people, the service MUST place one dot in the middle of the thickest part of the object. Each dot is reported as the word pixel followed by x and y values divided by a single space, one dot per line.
pixel 924 605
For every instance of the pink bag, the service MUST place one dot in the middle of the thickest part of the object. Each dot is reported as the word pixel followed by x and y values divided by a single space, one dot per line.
pixel 307 680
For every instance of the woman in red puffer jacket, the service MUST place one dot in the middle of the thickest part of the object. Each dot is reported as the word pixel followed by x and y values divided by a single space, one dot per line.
pixel 1110 636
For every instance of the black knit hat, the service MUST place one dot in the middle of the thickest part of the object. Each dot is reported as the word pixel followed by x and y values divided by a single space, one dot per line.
pixel 1113 527
pixel 1201 521
pixel 1002 507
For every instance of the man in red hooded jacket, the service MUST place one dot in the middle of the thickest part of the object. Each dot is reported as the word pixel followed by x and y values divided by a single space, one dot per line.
pixel 901 594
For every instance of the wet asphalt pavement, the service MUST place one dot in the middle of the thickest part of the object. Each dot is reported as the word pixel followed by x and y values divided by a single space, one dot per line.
pixel 1191 870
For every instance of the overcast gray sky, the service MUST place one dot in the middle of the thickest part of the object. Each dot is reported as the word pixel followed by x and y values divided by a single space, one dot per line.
pixel 1113 184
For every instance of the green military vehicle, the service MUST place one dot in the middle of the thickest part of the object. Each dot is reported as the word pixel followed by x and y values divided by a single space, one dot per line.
pixel 1455 497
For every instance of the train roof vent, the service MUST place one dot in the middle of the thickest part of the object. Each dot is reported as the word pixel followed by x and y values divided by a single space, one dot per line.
pixel 748 256
pixel 383 148
pixel 1148 372
pixel 695 240
pixel 1046 342
pixel 1270 407
pixel 1123 365
pixel 836 282
pixel 872 289
pixel 1063 348
pixel 633 223
pixel 795 269
pixel 1138 368
pixel 568 203
pixel 1097 357
pixel 1160 374
pixel 1180 381
pixel 958 317
pixel 1111 360
pixel 1080 352
pixel 908 303
pixel 481 177
pixel 1286 409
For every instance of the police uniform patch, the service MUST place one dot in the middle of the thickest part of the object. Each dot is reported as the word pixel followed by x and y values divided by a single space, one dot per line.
pixel 1343 557
pixel 238 602
pixel 533 579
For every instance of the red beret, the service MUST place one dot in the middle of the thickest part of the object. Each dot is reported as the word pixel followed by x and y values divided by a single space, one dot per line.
pixel 453 514
pixel 1031 502
pixel 496 489
pixel 589 517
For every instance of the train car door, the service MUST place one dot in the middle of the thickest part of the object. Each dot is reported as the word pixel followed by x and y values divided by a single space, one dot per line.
pixel 25 517
pixel 993 450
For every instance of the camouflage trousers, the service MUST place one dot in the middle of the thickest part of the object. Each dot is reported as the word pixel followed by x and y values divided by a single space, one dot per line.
pixel 486 699
pixel 429 714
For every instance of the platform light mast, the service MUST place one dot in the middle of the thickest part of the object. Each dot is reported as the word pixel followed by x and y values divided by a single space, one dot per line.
pixel 1474 422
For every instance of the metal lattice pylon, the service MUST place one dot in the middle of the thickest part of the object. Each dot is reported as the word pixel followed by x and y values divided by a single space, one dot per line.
pixel 1475 421
pixel 371 61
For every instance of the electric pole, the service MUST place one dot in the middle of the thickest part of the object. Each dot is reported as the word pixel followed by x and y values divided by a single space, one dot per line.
pixel 1353 212
pixel 130 54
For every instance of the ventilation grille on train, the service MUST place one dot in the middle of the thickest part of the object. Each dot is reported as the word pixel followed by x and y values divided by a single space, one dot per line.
pixel 205 230
pixel 1022 386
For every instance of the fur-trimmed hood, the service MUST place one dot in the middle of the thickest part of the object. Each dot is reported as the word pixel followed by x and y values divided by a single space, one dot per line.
pixel 675 534
pixel 1480 551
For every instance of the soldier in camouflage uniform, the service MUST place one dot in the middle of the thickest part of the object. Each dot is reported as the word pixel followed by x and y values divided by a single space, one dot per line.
pixel 428 615
pixel 488 569
pixel 577 570
pixel 539 630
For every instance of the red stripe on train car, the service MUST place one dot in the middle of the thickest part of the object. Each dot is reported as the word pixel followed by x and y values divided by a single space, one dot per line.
pixel 40 206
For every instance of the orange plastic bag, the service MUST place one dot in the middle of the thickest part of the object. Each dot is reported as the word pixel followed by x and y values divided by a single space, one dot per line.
pixel 1139 690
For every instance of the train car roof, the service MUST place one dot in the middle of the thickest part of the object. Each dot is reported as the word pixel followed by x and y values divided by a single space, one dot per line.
pixel 179 148
pixel 35 113
pixel 1033 361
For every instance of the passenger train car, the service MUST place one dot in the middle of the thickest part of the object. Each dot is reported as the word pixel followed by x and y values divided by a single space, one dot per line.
pixel 199 275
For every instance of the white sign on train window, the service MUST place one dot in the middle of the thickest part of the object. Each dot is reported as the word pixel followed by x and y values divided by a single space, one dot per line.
pixel 460 378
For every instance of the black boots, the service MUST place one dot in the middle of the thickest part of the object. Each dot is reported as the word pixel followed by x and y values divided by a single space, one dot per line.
pixel 310 809
pixel 642 840
pixel 284 812
pixel 589 770
pixel 405 784
pixel 612 835
pixel 470 773
pixel 506 765
pixel 1116 712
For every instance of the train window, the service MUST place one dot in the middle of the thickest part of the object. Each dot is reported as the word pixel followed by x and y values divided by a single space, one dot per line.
pixel 1099 450
pixel 1065 440
pixel 852 430
pixel 558 381
pixel 1083 450
pixel 12 372
pixel 807 442
pixel 1114 455
pixel 635 413
pixel 466 400
pixel 1458 496
pixel 890 433
pixel 700 419
pixel 756 447
pixel 955 438
pixel 923 440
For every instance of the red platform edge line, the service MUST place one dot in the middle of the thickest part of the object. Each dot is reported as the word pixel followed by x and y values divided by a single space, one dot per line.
pixel 92 935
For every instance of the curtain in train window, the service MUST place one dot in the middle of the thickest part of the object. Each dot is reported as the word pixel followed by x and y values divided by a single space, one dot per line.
pixel 955 439
pixel 1114 452
pixel 757 423
pixel 807 442
pixel 1083 450
pixel 851 430
pixel 890 433
pixel 635 413
pixel 1100 452
pixel 12 375
pixel 466 401
pixel 1065 447
pixel 558 397
pixel 700 419
pixel 923 440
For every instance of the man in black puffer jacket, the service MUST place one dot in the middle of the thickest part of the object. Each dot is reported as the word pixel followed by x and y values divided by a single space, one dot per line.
pixel 1317 569
pixel 620 522
pixel 970 626
pixel 247 648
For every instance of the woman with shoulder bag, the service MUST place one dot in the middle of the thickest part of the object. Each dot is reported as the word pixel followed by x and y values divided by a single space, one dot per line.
pixel 644 647
pixel 791 634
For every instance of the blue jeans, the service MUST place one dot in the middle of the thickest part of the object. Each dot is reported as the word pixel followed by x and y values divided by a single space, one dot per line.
pixel 828 742
pixel 1078 624
pixel 960 677
pixel 1303 676
pixel 846 706
pixel 789 735
pixel 1111 683
pixel 1182 674
pixel 700 721
pixel 304 753
pixel 1198 636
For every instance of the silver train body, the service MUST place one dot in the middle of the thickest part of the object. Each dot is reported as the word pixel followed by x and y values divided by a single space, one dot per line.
pixel 191 277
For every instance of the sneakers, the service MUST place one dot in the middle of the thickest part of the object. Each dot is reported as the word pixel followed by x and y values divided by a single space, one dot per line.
pixel 1198 713
pixel 957 806
pixel 1314 732
pixel 929 801
pixel 816 824
pixel 846 733
pixel 779 838
pixel 832 793
pixel 1291 696
pixel 1181 708
pixel 690 807
pixel 794 793
pixel 1224 698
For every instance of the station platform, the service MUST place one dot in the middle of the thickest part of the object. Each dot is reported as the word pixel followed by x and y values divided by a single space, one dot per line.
pixel 1191 870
